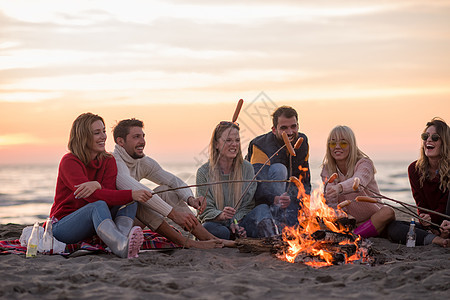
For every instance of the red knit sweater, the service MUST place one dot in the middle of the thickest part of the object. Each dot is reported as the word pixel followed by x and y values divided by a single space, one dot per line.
pixel 73 172
pixel 429 196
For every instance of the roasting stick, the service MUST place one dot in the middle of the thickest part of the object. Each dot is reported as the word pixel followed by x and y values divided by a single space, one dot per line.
pixel 408 210
pixel 373 200
pixel 357 183
pixel 217 182
pixel 403 203
pixel 348 202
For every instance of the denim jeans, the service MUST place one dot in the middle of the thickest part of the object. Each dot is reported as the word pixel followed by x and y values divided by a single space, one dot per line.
pixel 249 222
pixel 289 215
pixel 82 223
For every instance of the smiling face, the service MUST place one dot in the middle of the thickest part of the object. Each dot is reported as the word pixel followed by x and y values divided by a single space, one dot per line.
pixel 134 142
pixel 432 148
pixel 339 149
pixel 288 125
pixel 229 143
pixel 98 138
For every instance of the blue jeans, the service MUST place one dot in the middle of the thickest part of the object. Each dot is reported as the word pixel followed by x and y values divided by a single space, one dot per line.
pixel 82 223
pixel 249 222
pixel 289 215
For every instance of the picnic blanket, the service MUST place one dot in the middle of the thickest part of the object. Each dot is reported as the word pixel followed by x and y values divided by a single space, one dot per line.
pixel 152 240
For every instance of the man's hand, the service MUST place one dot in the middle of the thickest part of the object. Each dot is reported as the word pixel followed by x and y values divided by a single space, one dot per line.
pixel 198 203
pixel 283 200
pixel 425 217
pixel 141 195
pixel 86 189
pixel 186 220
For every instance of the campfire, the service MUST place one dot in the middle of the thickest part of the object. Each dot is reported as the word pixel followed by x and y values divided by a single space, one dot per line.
pixel 323 237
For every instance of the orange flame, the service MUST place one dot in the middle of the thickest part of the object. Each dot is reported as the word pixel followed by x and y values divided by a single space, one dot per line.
pixel 315 216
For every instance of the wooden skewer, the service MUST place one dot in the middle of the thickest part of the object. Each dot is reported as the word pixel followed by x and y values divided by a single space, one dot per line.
pixel 373 200
pixel 206 184
pixel 406 204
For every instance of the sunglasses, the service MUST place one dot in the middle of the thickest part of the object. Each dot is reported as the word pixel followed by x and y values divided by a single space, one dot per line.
pixel 228 123
pixel 434 137
pixel 342 144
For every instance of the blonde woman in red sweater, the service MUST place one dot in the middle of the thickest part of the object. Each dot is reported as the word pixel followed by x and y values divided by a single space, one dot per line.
pixel 86 199
pixel 345 158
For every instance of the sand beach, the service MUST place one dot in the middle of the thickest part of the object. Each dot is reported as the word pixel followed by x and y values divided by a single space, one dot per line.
pixel 402 273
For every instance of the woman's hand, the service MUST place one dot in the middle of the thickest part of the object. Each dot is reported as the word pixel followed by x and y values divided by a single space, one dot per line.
pixel 445 229
pixel 141 195
pixel 332 192
pixel 425 217
pixel 86 189
pixel 226 214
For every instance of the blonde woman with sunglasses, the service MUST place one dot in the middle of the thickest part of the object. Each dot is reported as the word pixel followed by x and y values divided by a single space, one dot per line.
pixel 345 158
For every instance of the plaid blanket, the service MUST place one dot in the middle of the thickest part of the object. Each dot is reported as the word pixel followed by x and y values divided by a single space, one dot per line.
pixel 152 240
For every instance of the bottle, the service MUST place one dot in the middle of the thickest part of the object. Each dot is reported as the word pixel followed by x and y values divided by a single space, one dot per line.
pixel 47 239
pixel 33 241
pixel 411 236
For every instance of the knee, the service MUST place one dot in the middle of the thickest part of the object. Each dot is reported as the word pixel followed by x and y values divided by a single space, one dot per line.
pixel 278 171
pixel 100 204
pixel 387 214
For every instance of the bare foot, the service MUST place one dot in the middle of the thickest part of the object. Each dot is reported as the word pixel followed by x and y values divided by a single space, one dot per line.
pixel 209 244
pixel 441 242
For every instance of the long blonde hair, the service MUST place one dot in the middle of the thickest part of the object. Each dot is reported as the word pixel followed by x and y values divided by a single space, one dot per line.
pixel 423 164
pixel 214 170
pixel 355 154
pixel 81 137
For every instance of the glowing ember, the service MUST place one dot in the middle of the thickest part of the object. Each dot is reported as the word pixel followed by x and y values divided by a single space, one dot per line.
pixel 323 236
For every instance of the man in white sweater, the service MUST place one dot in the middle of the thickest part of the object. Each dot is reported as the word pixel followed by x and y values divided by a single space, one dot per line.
pixel 133 165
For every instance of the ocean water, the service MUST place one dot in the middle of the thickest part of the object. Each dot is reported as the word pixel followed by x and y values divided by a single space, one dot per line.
pixel 27 191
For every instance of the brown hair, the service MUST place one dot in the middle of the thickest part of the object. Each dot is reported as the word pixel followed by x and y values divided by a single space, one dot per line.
pixel 81 138
pixel 285 111
pixel 122 129
pixel 423 165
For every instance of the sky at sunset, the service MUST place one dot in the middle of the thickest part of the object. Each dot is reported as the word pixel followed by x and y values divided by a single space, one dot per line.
pixel 380 67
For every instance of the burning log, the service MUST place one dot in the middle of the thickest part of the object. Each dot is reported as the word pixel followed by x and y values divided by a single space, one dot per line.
pixel 333 237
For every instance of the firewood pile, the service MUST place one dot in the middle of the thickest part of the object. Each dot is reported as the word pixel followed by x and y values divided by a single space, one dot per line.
pixel 339 245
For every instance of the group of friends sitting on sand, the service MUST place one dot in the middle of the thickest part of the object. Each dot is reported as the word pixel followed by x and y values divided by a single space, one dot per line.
pixel 100 193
